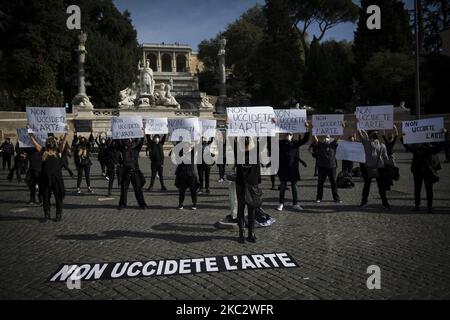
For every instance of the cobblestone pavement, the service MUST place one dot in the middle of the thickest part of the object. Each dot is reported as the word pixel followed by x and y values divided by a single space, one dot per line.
pixel 333 244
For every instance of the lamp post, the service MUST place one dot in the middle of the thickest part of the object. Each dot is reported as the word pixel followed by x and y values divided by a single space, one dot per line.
pixel 416 31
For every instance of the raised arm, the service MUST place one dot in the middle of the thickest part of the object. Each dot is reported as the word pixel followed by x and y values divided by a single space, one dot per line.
pixel 62 143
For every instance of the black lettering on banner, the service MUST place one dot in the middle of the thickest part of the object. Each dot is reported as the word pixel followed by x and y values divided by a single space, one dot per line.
pixel 169 267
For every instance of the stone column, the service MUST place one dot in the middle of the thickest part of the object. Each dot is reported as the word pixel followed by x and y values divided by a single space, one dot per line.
pixel 81 101
pixel 174 62
pixel 220 108
pixel 158 63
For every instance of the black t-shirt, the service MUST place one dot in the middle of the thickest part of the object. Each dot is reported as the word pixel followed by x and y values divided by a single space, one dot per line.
pixel 326 154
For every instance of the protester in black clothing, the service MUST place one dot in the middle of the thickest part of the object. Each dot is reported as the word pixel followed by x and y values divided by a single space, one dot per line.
pixel 374 168
pixel 51 178
pixel 33 174
pixel 20 162
pixel 424 167
pixel 185 175
pixel 82 150
pixel 221 156
pixel 67 152
pixel 112 160
pixel 7 149
pixel 101 145
pixel 327 163
pixel 155 147
pixel 289 167
pixel 204 168
pixel 248 177
pixel 130 172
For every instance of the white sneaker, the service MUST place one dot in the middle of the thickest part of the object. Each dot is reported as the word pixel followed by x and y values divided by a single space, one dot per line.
pixel 297 207
pixel 90 190
pixel 194 208
pixel 79 190
pixel 280 207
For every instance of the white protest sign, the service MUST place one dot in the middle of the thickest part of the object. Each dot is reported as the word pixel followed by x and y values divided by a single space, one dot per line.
pixel 25 141
pixel 109 134
pixel 184 129
pixel 328 124
pixel 423 131
pixel 129 127
pixel 251 122
pixel 208 128
pixel 46 120
pixel 375 118
pixel 290 120
pixel 351 151
pixel 156 126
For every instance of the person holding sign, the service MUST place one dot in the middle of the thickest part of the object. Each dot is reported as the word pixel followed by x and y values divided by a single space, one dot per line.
pixel 82 151
pixel 289 166
pixel 7 149
pixel 51 177
pixel 327 163
pixel 185 175
pixel 376 160
pixel 155 146
pixel 130 172
pixel 424 167
pixel 204 168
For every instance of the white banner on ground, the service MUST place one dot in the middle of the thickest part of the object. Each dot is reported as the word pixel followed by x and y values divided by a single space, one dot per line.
pixel 184 129
pixel 156 126
pixel 423 131
pixel 25 141
pixel 328 124
pixel 251 122
pixel 290 120
pixel 351 151
pixel 375 118
pixel 208 128
pixel 129 127
pixel 46 120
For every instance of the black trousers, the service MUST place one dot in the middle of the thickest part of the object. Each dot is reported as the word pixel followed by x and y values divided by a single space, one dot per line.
pixel 447 152
pixel 272 180
pixel 182 193
pixel 283 187
pixel 204 172
pixel 135 178
pixel 46 192
pixel 33 179
pixel 102 165
pixel 221 171
pixel 7 160
pixel 240 192
pixel 111 172
pixel 157 168
pixel 87 175
pixel 380 183
pixel 419 179
pixel 325 173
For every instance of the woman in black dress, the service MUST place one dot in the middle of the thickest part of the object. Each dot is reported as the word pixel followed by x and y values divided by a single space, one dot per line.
pixel 82 150
pixel 185 175
pixel 51 178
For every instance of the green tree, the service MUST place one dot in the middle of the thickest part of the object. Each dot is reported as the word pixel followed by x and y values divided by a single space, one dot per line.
pixel 395 34
pixel 388 78
pixel 279 70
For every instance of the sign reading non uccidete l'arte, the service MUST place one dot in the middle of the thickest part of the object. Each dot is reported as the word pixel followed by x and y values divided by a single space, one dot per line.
pixel 375 117
pixel 156 126
pixel 184 129
pixel 155 268
pixel 46 120
pixel 424 131
pixel 25 141
pixel 208 128
pixel 328 124
pixel 290 120
pixel 126 127
pixel 251 122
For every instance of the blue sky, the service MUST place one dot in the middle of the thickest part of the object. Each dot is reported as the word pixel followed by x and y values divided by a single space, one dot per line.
pixel 191 21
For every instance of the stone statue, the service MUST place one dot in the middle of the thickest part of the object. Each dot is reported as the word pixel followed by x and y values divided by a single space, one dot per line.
pixel 206 103
pixel 128 96
pixel 147 83
pixel 164 97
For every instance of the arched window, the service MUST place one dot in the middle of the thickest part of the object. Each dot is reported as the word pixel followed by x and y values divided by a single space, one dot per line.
pixel 152 58
pixel 166 61
pixel 181 63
